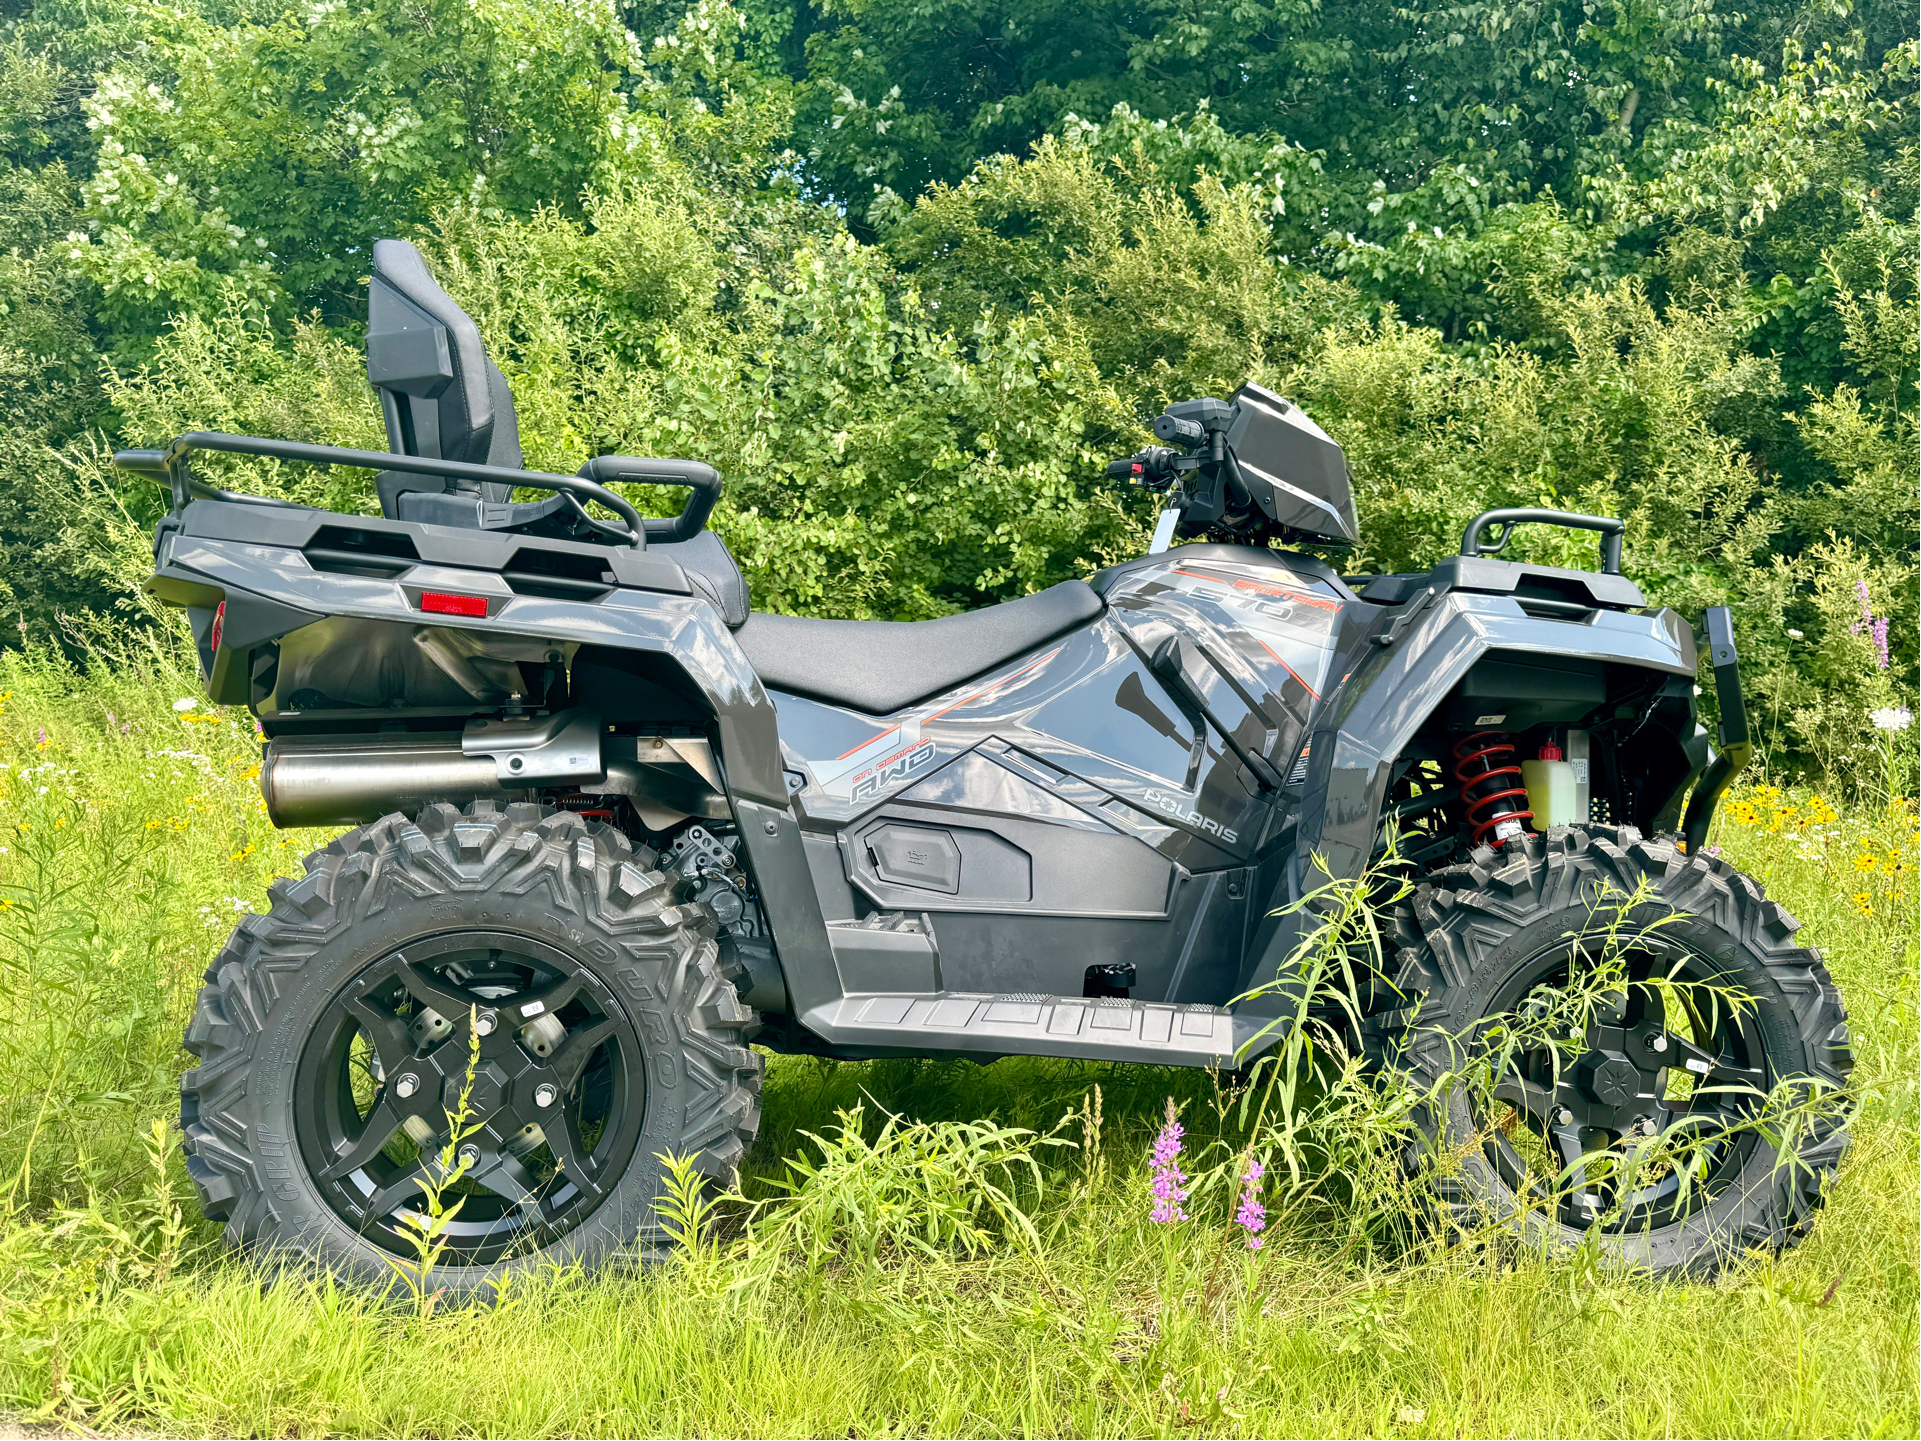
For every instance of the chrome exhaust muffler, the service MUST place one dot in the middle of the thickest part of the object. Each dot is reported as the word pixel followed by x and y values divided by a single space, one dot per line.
pixel 335 782
pixel 350 780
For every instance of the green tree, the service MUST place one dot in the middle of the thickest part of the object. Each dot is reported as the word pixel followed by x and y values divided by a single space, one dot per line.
pixel 266 155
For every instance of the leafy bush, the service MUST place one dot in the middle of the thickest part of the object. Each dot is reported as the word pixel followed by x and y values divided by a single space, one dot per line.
pixel 1688 299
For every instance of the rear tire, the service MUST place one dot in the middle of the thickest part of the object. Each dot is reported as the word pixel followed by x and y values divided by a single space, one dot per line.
pixel 1487 931
pixel 313 1015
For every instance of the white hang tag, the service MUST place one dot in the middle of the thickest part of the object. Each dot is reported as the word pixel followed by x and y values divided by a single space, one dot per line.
pixel 1164 531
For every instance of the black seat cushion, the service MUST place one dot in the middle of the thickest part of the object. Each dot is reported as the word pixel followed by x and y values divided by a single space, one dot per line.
pixel 878 666
pixel 712 571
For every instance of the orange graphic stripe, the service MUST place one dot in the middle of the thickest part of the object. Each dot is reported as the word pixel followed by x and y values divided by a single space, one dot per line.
pixel 968 699
pixel 1288 668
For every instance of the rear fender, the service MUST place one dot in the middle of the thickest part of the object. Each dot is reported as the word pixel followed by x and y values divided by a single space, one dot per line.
pixel 656 631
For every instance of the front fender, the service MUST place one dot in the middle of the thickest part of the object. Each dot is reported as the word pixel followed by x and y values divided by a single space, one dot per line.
pixel 1388 694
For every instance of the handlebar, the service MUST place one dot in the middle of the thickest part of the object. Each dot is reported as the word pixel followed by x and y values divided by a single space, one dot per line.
pixel 1611 531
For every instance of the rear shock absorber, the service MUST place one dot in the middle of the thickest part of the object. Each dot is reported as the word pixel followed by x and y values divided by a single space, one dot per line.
pixel 1491 787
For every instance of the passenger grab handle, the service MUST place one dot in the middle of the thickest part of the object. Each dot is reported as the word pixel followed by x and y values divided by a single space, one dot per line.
pixel 1507 519
pixel 700 478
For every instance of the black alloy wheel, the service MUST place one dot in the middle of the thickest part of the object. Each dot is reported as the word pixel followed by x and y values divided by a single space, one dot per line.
pixel 555 1092
pixel 1638 1111
pixel 533 960
pixel 1597 1089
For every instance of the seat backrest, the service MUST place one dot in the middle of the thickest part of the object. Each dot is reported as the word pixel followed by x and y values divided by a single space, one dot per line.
pixel 443 398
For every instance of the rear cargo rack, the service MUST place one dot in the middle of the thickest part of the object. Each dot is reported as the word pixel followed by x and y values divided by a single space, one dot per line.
pixel 170 467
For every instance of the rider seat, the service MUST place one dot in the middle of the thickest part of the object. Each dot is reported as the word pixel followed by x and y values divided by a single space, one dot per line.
pixel 880 666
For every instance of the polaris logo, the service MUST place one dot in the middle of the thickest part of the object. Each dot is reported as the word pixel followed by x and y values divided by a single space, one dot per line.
pixel 1174 807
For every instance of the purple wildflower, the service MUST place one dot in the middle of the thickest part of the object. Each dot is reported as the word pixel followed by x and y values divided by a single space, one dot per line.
pixel 1873 626
pixel 1862 625
pixel 1170 1187
pixel 1252 1215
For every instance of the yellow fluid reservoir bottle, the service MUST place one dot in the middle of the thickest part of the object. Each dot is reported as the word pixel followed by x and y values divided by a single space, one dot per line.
pixel 1550 788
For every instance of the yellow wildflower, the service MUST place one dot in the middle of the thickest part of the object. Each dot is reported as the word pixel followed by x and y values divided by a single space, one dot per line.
pixel 1865 902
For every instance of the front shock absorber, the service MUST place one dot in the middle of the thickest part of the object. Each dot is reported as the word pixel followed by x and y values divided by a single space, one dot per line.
pixel 1491 787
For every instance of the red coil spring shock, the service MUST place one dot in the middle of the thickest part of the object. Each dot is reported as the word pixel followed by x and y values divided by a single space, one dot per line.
pixel 1490 786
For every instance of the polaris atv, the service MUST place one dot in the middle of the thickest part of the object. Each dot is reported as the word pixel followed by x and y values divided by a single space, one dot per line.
pixel 610 825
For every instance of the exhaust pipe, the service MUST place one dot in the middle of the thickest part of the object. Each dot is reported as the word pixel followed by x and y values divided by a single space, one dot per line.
pixel 350 780
pixel 334 782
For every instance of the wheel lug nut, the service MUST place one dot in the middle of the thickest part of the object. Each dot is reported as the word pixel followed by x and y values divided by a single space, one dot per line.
pixel 545 1095
pixel 1564 1116
pixel 1660 1043
pixel 485 1022
pixel 406 1085
pixel 469 1156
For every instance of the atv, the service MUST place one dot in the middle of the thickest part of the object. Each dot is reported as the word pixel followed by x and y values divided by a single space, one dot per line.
pixel 611 829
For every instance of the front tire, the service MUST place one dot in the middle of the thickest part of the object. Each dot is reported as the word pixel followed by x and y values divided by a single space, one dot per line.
pixel 525 956
pixel 1669 1056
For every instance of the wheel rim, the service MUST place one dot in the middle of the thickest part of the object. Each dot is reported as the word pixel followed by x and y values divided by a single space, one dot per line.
pixel 554 1106
pixel 1640 1112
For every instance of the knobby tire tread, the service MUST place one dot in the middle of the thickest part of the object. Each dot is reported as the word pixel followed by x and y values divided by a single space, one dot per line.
pixel 595 885
pixel 1458 916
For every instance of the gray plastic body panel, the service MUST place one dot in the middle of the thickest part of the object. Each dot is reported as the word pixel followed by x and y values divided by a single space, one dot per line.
pixel 1504 577
pixel 291 528
pixel 669 621
pixel 1125 793
pixel 1385 695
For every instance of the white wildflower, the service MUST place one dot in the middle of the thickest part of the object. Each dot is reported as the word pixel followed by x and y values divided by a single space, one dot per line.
pixel 184 704
pixel 1892 718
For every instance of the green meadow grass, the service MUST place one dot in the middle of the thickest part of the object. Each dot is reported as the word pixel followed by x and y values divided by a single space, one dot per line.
pixel 133 836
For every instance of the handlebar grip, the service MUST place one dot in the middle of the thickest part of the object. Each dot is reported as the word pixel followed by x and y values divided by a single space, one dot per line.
pixel 148 464
pixel 1187 432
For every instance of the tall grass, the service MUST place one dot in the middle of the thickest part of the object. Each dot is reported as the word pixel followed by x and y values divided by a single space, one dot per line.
pixel 920 1247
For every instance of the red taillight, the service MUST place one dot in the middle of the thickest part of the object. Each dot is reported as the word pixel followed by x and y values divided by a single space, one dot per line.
pixel 219 624
pixel 443 602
